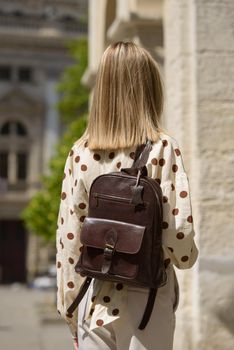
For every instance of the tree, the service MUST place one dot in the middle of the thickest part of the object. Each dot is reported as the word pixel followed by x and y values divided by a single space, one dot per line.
pixel 75 96
pixel 40 216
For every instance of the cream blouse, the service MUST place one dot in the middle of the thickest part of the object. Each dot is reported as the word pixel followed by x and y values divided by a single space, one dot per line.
pixel 165 165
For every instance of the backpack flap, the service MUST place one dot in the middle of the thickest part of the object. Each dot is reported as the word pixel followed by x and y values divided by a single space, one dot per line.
pixel 110 246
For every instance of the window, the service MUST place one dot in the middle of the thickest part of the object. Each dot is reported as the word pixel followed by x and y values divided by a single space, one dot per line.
pixel 21 166
pixel 20 129
pixel 15 128
pixel 25 74
pixel 4 165
pixel 14 154
pixel 5 129
pixel 5 73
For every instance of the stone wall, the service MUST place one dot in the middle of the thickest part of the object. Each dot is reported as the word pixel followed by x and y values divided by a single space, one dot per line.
pixel 199 45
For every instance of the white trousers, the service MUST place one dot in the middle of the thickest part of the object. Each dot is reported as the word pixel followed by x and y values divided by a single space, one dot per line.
pixel 123 333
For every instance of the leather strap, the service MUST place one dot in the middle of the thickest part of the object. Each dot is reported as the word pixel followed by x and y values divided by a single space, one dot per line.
pixel 110 243
pixel 149 308
pixel 142 154
pixel 79 297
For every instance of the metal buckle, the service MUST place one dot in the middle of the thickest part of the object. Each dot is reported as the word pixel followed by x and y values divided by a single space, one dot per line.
pixel 108 251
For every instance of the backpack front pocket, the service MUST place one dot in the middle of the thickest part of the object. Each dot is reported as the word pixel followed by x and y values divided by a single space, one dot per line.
pixel 110 247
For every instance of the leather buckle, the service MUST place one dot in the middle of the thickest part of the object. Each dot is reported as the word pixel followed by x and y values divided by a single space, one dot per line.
pixel 110 242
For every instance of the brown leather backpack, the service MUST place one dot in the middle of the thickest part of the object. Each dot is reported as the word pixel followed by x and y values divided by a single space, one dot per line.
pixel 122 234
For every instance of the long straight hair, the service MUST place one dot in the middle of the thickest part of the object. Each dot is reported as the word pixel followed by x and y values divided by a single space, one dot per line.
pixel 127 101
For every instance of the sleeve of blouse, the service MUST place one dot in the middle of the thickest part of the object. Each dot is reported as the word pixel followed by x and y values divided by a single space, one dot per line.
pixel 178 229
pixel 72 211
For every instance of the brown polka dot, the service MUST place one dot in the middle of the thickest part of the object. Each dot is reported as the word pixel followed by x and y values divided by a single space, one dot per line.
pixel 81 249
pixel 165 143
pixel 86 144
pixel 70 235
pixel 99 322
pixel 64 175
pixel 93 298
pixel 177 152
pixel 59 312
pixel 154 161
pixel 70 284
pixel 83 167
pixel 165 225
pixel 115 312
pixel 71 153
pixel 62 221
pixel 69 315
pixel 72 190
pixel 184 258
pixel 180 235
pixel 171 249
pixel 71 261
pixel 106 299
pixel 118 165
pixel 82 218
pixel 91 312
pixel 158 181
pixel 69 171
pixel 132 155
pixel 77 159
pixel 75 183
pixel 167 262
pixel 172 187
pixel 59 264
pixel 183 194
pixel 111 155
pixel 165 199
pixel 119 286
pixel 175 211
pixel 82 205
pixel 162 161
pixel 71 211
pixel 96 156
pixel 174 168
pixel 190 218
pixel 63 195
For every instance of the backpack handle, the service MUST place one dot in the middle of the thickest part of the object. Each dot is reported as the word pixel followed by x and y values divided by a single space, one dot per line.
pixel 142 154
pixel 140 160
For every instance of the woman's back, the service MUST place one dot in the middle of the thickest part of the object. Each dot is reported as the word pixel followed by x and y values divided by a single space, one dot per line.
pixel 165 165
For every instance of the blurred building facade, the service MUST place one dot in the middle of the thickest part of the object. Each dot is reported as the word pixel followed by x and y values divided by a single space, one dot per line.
pixel 33 56
pixel 193 41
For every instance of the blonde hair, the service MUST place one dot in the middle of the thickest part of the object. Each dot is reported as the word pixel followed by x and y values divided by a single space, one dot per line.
pixel 127 100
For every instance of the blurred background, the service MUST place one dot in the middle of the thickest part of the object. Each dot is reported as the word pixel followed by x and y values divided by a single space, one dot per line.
pixel 49 54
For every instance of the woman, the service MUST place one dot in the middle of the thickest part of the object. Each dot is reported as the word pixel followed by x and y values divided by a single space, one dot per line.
pixel 126 110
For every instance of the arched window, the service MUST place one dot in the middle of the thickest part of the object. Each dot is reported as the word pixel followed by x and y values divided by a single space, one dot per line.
pixel 13 128
pixel 14 152
pixel 5 129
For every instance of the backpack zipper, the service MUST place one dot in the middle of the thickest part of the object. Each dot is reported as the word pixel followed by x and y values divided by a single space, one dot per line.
pixel 110 197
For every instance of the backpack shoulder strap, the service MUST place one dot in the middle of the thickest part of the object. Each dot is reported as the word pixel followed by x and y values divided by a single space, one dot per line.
pixel 80 295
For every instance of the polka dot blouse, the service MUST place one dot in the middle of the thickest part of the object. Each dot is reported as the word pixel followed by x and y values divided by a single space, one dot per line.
pixel 165 165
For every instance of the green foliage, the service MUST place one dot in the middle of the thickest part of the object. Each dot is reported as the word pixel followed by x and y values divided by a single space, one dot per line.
pixel 75 96
pixel 40 216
